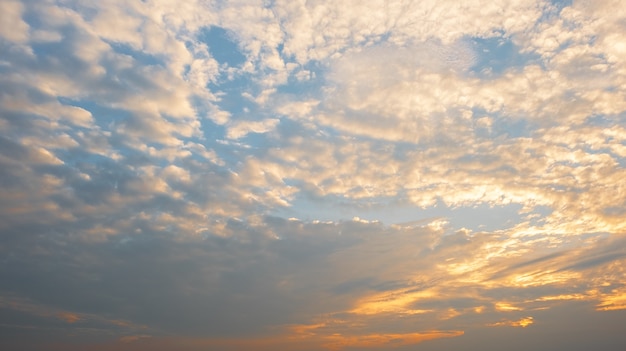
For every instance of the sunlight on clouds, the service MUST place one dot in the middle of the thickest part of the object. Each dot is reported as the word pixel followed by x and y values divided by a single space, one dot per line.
pixel 339 341
pixel 524 322
pixel 615 300
pixel 395 302
pixel 543 278
pixel 562 297
pixel 506 307
pixel 309 175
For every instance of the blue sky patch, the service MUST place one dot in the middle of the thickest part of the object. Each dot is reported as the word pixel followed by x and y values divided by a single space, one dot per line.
pixel 496 55
pixel 222 46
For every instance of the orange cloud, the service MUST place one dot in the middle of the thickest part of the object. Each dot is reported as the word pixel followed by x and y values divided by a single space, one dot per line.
pixel 397 301
pixel 613 302
pixel 562 297
pixel 506 307
pixel 337 334
pixel 524 322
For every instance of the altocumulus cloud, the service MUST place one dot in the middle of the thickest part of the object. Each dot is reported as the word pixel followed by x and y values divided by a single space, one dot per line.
pixel 302 175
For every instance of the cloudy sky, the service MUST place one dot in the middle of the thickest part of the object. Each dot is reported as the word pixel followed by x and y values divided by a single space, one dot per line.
pixel 312 175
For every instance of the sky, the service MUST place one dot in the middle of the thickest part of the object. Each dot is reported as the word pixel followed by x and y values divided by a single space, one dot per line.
pixel 312 175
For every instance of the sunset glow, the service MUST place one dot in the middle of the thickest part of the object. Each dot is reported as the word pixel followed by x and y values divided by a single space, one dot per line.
pixel 312 175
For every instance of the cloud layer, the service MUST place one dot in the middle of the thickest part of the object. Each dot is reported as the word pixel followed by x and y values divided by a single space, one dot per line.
pixel 310 175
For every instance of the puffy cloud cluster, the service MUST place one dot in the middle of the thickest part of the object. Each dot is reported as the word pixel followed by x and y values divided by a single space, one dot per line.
pixel 150 150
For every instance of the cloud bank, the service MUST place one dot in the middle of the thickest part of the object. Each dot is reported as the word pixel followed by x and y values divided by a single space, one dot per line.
pixel 311 175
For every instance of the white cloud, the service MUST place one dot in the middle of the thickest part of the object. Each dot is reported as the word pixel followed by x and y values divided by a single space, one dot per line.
pixel 239 128
pixel 12 26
